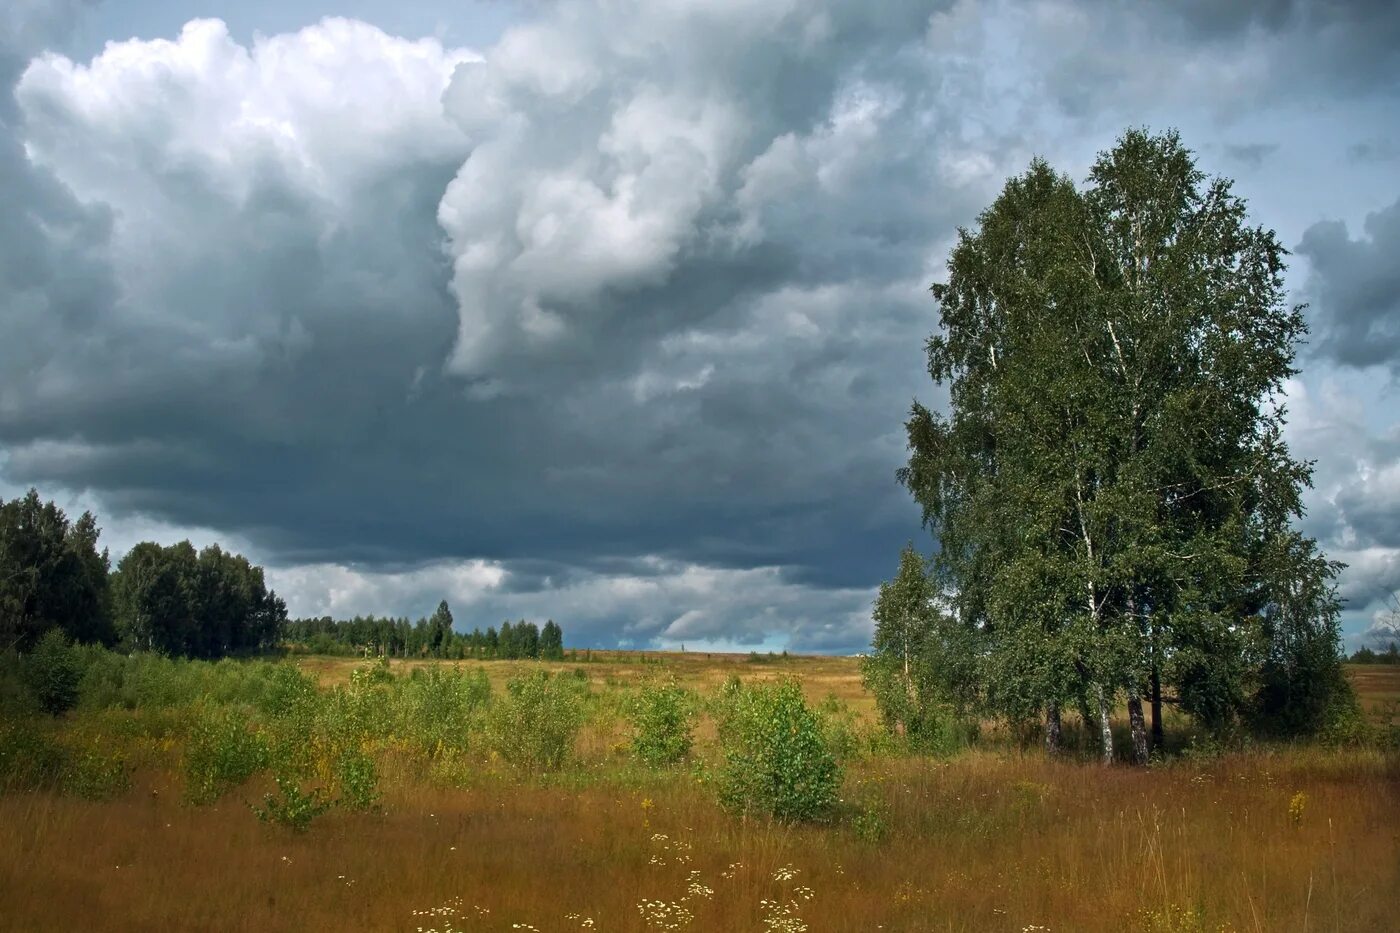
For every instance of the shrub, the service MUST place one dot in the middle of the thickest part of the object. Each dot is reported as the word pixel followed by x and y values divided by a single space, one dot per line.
pixel 841 729
pixel 533 725
pixel 222 752
pixel 291 806
pixel 52 672
pixel 357 780
pixel 661 716
pixel 436 708
pixel 1346 724
pixel 29 758
pixel 286 689
pixel 776 759
pixel 372 674
pixel 96 775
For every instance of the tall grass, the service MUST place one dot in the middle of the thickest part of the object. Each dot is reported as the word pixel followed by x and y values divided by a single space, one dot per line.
pixel 371 762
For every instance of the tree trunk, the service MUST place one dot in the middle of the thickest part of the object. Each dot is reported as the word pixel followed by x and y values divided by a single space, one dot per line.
pixel 1157 732
pixel 1138 726
pixel 1052 729
pixel 1105 732
pixel 1086 715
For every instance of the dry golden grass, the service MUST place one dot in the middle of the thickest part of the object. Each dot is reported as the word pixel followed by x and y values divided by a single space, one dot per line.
pixel 820 675
pixel 992 840
pixel 1378 686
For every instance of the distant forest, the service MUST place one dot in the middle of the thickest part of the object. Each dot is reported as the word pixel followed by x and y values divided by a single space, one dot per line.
pixel 209 603
pixel 431 637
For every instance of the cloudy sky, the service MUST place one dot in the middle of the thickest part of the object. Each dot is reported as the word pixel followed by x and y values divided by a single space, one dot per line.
pixel 611 310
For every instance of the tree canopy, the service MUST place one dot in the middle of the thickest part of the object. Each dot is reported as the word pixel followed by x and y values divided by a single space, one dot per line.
pixel 168 599
pixel 51 574
pixel 206 604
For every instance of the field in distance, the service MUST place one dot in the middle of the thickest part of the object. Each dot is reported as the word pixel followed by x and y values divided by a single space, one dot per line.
pixel 993 837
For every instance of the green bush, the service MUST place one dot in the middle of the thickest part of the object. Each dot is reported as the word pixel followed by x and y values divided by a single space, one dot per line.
pixel 95 774
pixel 222 752
pixel 436 708
pixel 372 674
pixel 291 806
pixel 151 681
pixel 357 780
pixel 661 716
pixel 286 691
pixel 534 724
pixel 775 754
pixel 29 758
pixel 52 672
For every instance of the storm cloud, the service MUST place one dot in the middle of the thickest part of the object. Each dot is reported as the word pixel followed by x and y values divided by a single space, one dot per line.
pixel 1355 284
pixel 615 319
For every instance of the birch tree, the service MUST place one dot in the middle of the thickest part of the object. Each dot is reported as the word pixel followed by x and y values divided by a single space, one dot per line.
pixel 1110 487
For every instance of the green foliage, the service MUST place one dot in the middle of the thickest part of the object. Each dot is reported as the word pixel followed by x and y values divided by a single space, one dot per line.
pixel 51 574
pixel 286 689
pixel 775 755
pixel 922 669
pixel 661 715
pixel 534 724
pixel 291 806
pixel 357 780
pixel 1302 687
pixel 1111 490
pixel 437 709
pixel 96 774
pixel 1390 654
pixel 430 637
pixel 29 757
pixel 870 820
pixel 204 604
pixel 552 641
pixel 221 752
pixel 52 671
pixel 144 680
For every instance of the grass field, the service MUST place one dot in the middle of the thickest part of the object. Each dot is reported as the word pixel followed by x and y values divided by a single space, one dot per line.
pixel 1270 838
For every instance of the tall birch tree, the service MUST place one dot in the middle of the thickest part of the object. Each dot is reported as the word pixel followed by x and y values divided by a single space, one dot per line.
pixel 1110 488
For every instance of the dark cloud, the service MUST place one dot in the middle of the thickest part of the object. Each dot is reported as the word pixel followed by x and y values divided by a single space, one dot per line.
pixel 1355 289
pixel 621 320
pixel 291 369
pixel 1251 155
pixel 1379 149
pixel 1354 44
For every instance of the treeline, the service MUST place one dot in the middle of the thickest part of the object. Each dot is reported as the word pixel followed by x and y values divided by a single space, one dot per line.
pixel 432 637
pixel 1388 655
pixel 174 599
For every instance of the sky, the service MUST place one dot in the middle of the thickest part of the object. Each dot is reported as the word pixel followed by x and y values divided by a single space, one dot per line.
pixel 611 311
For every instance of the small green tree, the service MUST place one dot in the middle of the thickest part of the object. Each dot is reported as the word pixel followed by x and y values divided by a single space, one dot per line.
pixel 776 759
pixel 661 715
pixel 53 672
pixel 534 724
pixel 223 751
pixel 919 668
pixel 551 641
pixel 440 630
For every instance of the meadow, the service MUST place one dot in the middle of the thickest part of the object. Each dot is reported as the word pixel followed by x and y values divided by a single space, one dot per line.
pixel 332 794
